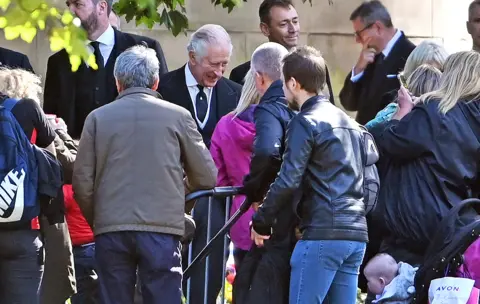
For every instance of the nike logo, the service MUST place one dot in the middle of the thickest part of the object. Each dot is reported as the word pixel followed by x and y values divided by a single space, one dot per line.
pixel 12 196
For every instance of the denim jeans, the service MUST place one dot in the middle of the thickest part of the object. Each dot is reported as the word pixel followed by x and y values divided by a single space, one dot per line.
pixel 21 266
pixel 325 271
pixel 86 275
pixel 157 257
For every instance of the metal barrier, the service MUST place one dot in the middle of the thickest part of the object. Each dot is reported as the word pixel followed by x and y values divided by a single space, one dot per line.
pixel 226 193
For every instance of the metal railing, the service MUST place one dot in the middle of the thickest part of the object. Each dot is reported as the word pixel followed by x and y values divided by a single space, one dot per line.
pixel 226 193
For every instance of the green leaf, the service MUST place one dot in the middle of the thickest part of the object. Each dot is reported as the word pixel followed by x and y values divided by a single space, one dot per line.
pixel 28 33
pixel 4 4
pixel 67 18
pixel 3 22
pixel 179 22
pixel 11 32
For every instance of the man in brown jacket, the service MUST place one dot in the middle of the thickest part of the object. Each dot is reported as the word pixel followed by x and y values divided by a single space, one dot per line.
pixel 128 181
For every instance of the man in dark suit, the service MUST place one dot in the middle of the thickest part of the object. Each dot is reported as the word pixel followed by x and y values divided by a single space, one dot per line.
pixel 373 82
pixel 14 59
pixel 279 22
pixel 200 88
pixel 73 95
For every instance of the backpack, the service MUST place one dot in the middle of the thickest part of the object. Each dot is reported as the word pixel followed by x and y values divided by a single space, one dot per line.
pixel 371 179
pixel 18 170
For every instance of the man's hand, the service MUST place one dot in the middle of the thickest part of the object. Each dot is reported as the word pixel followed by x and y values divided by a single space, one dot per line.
pixel 367 56
pixel 256 205
pixel 258 239
pixel 58 124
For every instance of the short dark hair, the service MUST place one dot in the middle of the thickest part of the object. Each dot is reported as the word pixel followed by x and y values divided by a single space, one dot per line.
pixel 267 5
pixel 307 66
pixel 371 12
pixel 471 6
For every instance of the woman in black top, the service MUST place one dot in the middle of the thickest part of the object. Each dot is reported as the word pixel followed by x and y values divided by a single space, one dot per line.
pixel 434 152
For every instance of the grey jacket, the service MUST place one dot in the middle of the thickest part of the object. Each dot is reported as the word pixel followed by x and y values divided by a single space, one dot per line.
pixel 128 174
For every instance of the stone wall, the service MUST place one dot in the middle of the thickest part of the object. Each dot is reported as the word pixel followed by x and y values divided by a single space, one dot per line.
pixel 326 27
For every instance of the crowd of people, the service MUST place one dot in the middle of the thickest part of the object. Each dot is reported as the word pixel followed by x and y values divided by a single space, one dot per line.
pixel 94 211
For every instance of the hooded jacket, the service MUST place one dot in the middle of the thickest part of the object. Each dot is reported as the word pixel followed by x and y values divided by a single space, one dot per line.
pixel 231 149
pixel 433 164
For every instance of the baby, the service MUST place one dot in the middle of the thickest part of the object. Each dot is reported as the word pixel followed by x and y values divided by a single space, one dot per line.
pixel 390 281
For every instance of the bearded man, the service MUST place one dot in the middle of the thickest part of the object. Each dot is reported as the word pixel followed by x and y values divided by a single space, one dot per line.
pixel 72 96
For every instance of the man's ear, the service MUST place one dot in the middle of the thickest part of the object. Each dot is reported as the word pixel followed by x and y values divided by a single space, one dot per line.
pixel 119 87
pixel 155 84
pixel 265 29
pixel 469 30
pixel 192 58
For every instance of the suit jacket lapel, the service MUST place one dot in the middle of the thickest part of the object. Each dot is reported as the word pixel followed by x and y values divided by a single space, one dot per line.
pixel 180 86
pixel 388 65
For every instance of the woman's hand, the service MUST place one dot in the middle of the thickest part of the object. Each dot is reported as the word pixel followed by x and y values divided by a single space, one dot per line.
pixel 405 103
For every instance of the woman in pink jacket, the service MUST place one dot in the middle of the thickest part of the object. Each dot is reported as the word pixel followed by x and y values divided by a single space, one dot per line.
pixel 231 148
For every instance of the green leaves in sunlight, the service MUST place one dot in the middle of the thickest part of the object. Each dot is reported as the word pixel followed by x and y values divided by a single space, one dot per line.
pixel 24 18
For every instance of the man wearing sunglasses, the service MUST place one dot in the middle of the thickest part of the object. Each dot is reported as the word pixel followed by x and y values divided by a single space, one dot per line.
pixel 368 89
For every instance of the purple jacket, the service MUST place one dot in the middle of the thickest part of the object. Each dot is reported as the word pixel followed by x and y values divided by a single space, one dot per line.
pixel 231 148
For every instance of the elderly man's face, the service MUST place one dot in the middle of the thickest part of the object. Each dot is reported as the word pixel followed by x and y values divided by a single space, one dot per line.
pixel 208 69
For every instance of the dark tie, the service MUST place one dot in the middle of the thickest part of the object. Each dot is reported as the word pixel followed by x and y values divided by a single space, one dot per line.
pixel 98 54
pixel 378 68
pixel 201 104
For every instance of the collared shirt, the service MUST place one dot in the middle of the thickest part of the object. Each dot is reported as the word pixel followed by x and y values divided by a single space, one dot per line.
pixel 386 51
pixel 106 43
pixel 192 83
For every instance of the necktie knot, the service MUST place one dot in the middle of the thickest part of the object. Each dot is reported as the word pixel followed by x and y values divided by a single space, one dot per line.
pixel 97 53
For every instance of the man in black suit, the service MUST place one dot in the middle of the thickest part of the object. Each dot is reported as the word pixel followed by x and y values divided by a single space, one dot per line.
pixel 373 82
pixel 73 95
pixel 14 59
pixel 199 86
pixel 279 22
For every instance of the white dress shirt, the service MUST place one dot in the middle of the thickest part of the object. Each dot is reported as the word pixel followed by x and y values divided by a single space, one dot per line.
pixel 106 41
pixel 192 83
pixel 386 51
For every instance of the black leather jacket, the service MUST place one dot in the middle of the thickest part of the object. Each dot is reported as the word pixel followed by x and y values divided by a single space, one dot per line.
pixel 323 157
pixel 272 116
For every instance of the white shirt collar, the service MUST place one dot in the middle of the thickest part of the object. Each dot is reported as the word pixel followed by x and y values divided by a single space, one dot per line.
pixel 190 80
pixel 108 37
pixel 391 43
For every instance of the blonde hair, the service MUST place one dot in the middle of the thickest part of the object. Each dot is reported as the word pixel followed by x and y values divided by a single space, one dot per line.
pixel 424 79
pixel 19 84
pixel 460 81
pixel 427 52
pixel 249 94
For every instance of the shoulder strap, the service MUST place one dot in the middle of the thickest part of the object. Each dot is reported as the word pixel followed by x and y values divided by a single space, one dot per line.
pixel 9 103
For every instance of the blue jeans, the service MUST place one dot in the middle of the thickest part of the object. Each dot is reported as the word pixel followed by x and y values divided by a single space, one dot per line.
pixel 86 275
pixel 157 257
pixel 325 272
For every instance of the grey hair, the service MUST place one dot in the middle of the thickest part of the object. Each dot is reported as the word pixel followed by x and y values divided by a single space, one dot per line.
pixel 372 11
pixel 208 35
pixel 267 60
pixel 137 67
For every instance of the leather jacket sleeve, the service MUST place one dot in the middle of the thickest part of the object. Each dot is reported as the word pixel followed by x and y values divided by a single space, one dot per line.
pixel 299 145
pixel 267 155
